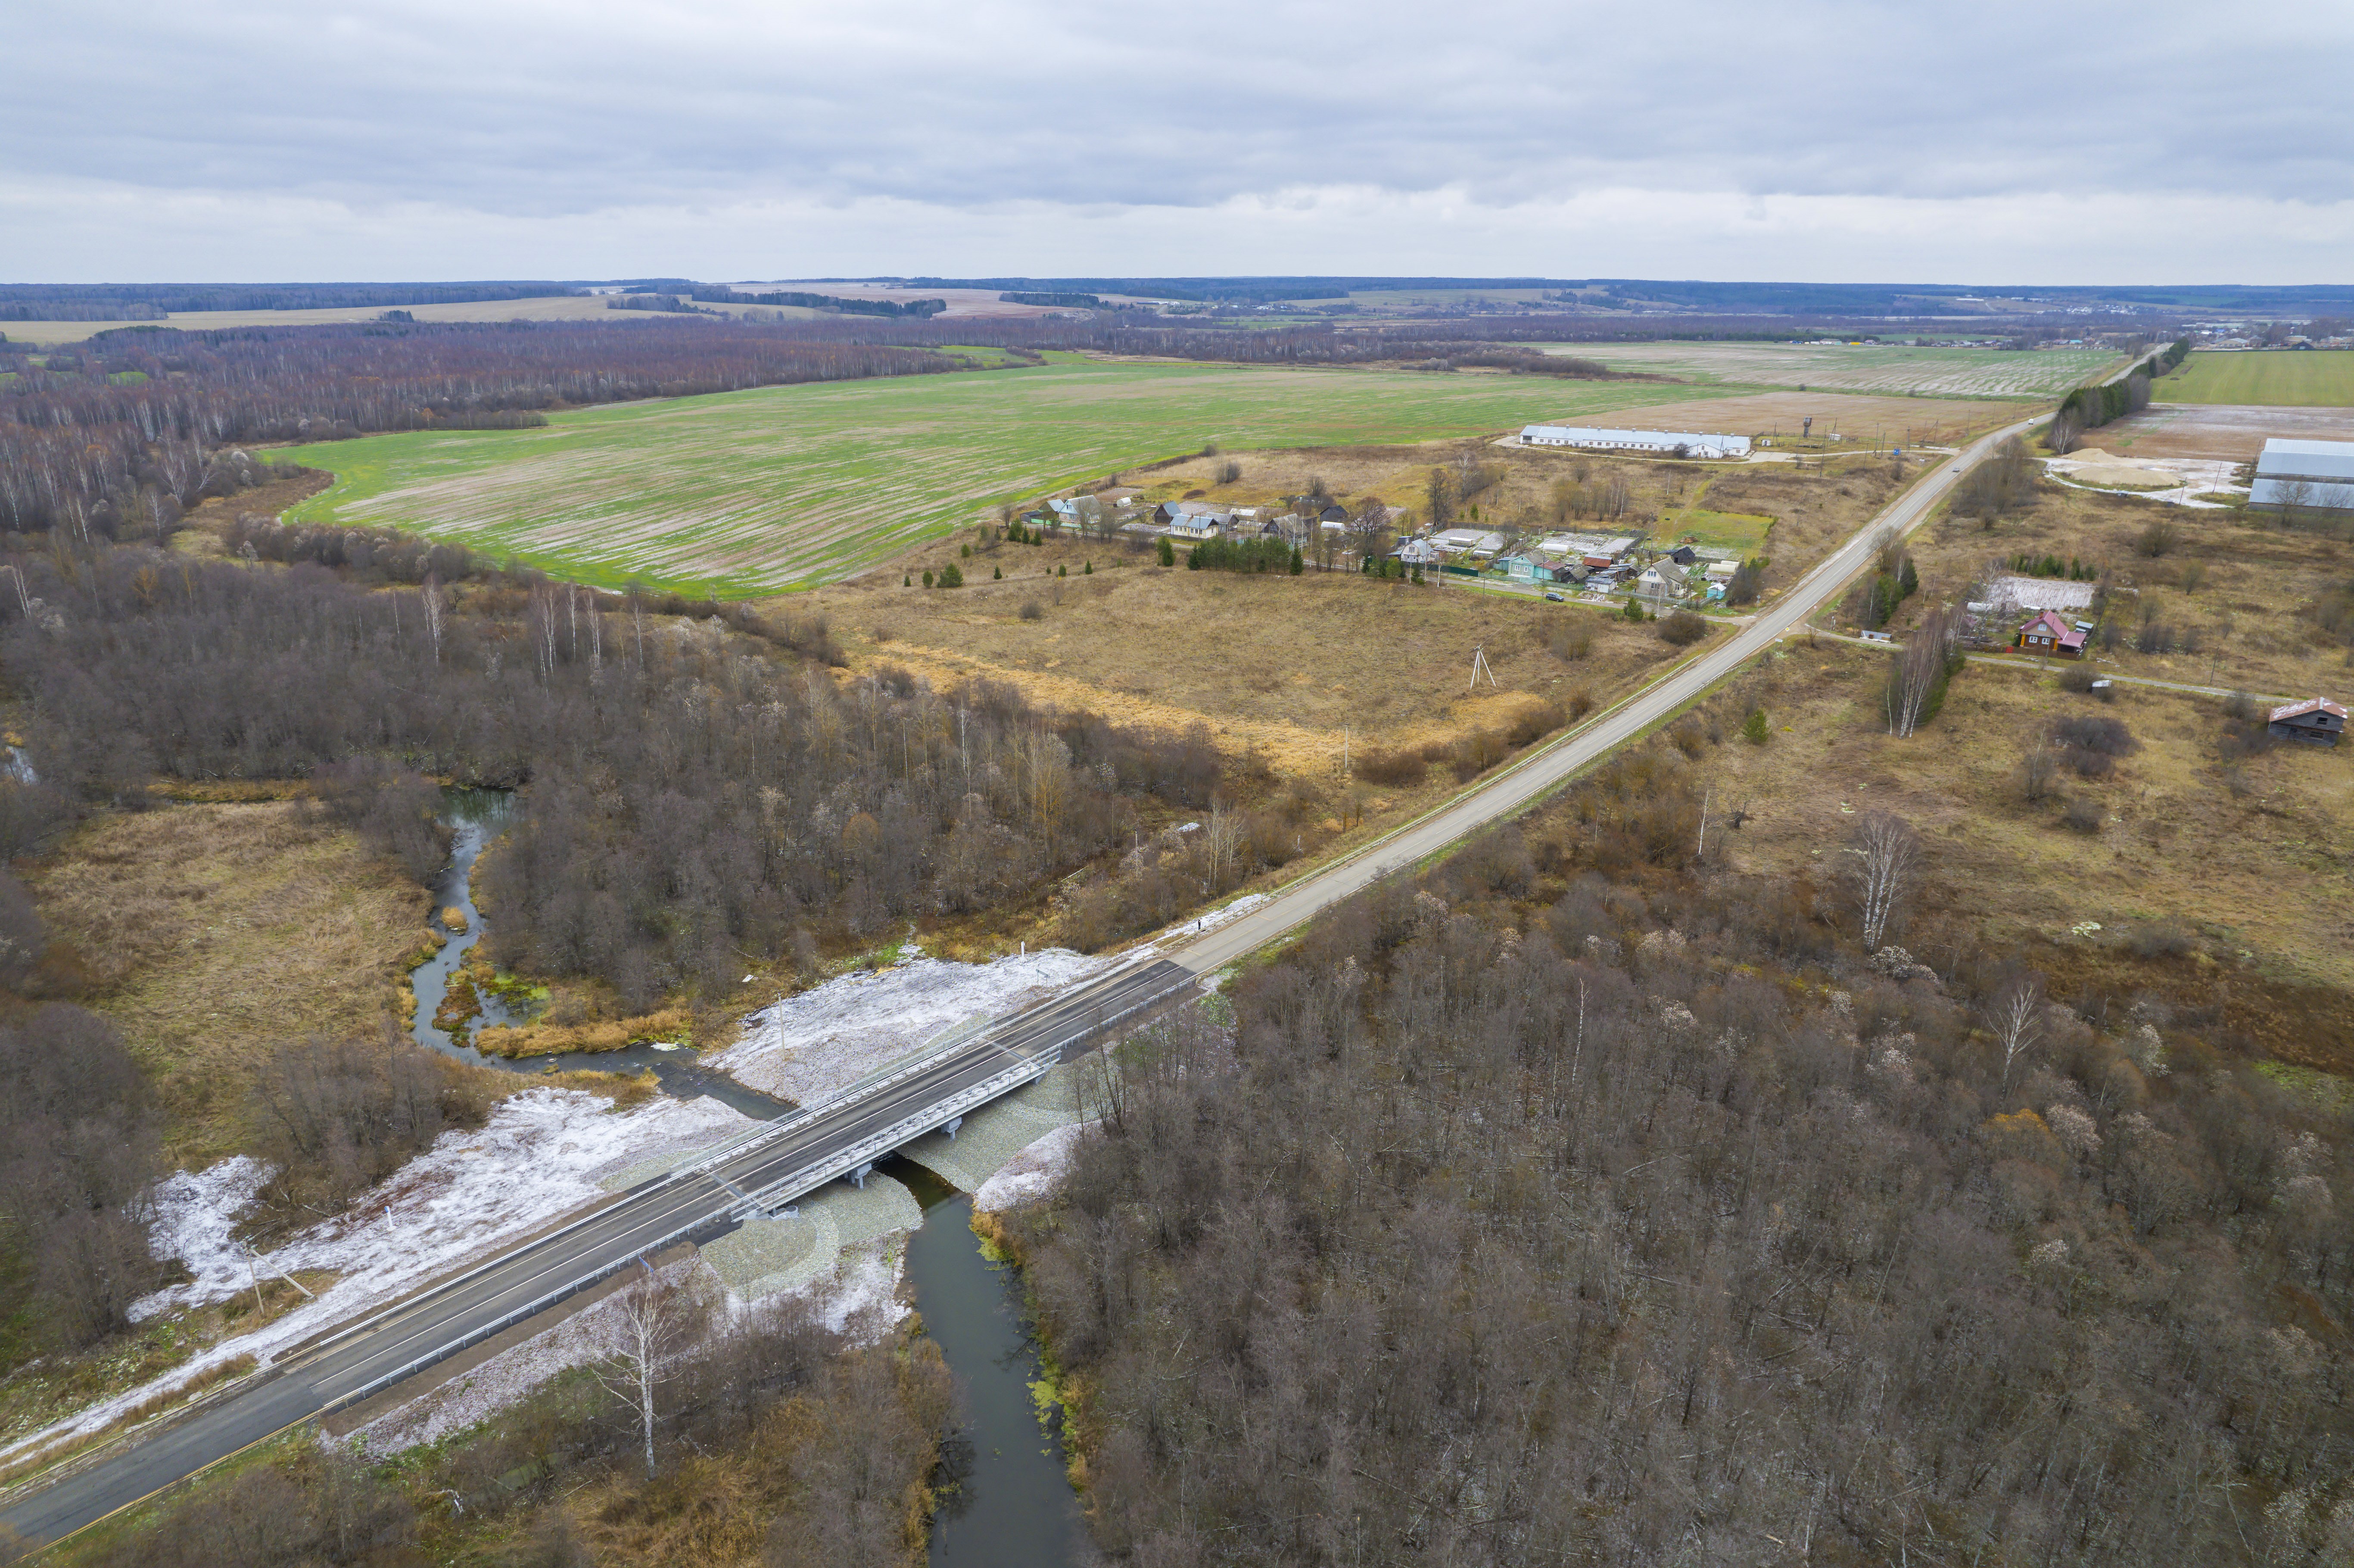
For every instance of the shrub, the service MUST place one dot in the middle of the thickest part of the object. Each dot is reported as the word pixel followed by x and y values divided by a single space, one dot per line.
pixel 1634 611
pixel 1754 729
pixel 1581 702
pixel 1229 472
pixel 1030 611
pixel 2083 815
pixel 1400 767
pixel 2037 768
pixel 2157 538
pixel 951 576
pixel 2080 678
pixel 2091 732
pixel 927 577
pixel 1570 639
pixel 1683 629
pixel 1748 579
pixel 1167 552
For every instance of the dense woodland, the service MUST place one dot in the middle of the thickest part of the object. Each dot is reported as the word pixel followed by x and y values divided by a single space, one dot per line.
pixel 780 1442
pixel 1525 1217
pixel 698 789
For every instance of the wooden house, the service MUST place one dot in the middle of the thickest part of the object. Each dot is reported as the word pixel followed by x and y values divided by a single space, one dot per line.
pixel 2317 719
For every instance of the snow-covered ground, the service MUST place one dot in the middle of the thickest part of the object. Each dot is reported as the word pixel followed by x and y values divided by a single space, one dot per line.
pixel 1032 1173
pixel 536 1159
pixel 2176 479
pixel 1216 918
pixel 811 1046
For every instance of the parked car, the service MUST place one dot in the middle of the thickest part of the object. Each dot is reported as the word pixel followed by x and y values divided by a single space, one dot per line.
pixel 1553 599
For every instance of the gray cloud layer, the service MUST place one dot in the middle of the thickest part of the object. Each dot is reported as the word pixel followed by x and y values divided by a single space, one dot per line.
pixel 514 116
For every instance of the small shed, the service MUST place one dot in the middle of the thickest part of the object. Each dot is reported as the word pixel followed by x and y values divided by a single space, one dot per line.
pixel 2048 633
pixel 2317 719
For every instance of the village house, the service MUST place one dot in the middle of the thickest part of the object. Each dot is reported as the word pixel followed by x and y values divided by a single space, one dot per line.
pixel 2317 719
pixel 2048 634
pixel 1467 542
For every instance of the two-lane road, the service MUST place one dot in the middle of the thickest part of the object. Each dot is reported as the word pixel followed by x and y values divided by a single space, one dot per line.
pixel 815 1146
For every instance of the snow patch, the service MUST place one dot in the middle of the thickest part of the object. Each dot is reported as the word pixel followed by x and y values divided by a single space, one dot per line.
pixel 821 1041
pixel 537 1159
pixel 1218 917
pixel 1032 1173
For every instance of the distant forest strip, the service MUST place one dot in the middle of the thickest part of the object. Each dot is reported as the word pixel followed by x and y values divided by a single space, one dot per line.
pixel 158 298
pixel 919 310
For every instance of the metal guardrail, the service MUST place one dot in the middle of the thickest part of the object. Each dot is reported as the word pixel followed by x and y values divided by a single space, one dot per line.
pixel 1033 1066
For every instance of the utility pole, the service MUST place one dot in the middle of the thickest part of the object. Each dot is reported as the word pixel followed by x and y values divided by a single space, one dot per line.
pixel 1480 666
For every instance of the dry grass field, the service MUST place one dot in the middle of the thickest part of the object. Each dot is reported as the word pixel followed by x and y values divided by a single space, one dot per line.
pixel 551 308
pixel 2228 433
pixel 207 932
pixel 2235 581
pixel 1864 367
pixel 2221 890
pixel 1863 419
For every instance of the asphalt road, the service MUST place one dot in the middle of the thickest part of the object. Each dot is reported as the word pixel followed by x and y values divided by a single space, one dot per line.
pixel 462 1310
pixel 358 1359
pixel 1539 772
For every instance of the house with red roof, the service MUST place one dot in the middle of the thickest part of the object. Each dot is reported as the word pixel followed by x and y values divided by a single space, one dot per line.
pixel 2048 633
pixel 2315 719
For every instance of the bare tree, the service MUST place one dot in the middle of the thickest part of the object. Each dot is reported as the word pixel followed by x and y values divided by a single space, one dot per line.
pixel 2016 1016
pixel 433 612
pixel 651 1320
pixel 1886 855
pixel 1916 670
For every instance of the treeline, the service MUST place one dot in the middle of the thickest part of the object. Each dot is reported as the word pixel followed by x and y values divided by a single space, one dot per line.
pixel 2089 408
pixel 1530 1218
pixel 694 795
pixel 785 1439
pixel 158 298
pixel 893 310
pixel 1037 297
pixel 72 442
pixel 1244 555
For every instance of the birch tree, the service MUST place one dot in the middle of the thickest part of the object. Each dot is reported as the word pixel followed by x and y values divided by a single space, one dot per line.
pixel 2016 1016
pixel 1915 669
pixel 1885 859
pixel 648 1322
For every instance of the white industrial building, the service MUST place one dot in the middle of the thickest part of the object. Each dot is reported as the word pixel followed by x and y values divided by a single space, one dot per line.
pixel 2315 476
pixel 1664 443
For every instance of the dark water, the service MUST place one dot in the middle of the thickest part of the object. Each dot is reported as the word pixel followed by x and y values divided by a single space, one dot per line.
pixel 476 816
pixel 1013 1506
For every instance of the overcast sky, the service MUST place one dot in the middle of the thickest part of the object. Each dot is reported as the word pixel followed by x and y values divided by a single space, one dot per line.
pixel 1989 142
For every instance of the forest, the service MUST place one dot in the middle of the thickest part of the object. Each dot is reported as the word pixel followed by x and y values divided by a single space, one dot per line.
pixel 1564 1206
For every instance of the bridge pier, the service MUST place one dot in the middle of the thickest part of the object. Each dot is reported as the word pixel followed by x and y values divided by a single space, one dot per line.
pixel 954 1122
pixel 858 1177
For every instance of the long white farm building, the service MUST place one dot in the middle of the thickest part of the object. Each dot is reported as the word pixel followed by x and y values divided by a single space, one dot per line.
pixel 1662 441
pixel 2305 476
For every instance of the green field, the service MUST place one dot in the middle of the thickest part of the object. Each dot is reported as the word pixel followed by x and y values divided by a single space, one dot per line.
pixel 2310 378
pixel 1867 367
pixel 748 493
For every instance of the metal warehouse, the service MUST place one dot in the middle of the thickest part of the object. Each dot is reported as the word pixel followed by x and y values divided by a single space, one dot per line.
pixel 1689 443
pixel 2316 475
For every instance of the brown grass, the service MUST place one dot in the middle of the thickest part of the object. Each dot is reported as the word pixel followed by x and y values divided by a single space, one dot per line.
pixel 2260 877
pixel 2226 431
pixel 537 1039
pixel 209 932
pixel 2252 577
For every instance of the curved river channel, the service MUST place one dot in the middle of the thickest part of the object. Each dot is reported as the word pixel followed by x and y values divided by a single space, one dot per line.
pixel 1011 1504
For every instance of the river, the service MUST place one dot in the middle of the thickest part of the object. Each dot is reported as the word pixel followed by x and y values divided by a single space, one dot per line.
pixel 1010 1505
pixel 475 816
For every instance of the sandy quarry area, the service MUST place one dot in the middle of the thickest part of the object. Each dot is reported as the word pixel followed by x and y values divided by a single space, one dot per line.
pixel 2224 432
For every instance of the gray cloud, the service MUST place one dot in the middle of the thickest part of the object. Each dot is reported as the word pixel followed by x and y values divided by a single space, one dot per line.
pixel 517 113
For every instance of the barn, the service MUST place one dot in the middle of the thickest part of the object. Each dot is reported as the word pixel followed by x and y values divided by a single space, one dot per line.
pixel 2315 719
pixel 1658 444
pixel 2305 476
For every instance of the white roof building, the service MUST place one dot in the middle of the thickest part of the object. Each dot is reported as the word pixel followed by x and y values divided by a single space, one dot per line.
pixel 2040 593
pixel 1597 439
pixel 1470 540
pixel 2318 474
